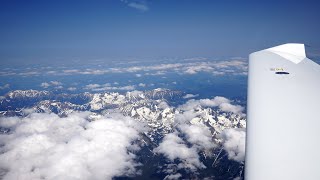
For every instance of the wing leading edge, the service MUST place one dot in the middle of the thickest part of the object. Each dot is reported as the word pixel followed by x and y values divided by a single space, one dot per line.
pixel 283 126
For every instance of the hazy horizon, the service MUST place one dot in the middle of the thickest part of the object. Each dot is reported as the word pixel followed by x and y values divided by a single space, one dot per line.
pixel 39 31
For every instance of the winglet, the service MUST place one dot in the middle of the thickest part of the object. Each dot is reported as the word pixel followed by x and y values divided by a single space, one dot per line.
pixel 292 52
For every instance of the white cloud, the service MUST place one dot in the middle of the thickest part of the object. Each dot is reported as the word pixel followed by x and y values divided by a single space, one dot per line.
pixel 140 6
pixel 163 105
pixel 198 138
pixel 71 71
pixel 142 85
pixel 237 109
pixel 188 96
pixel 72 88
pixel 6 86
pixel 58 87
pixel 30 73
pixel 233 66
pixel 234 143
pixel 107 87
pixel 198 135
pixel 45 146
pixel 223 103
pixel 173 176
pixel 138 75
pixel 45 85
pixel 92 86
pixel 173 147
pixel 57 84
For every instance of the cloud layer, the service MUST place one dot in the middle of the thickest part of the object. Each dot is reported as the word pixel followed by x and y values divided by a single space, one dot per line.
pixel 45 146
pixel 218 68
pixel 173 147
pixel 197 138
pixel 234 143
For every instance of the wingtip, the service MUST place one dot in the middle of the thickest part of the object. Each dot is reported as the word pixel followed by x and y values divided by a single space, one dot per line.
pixel 294 52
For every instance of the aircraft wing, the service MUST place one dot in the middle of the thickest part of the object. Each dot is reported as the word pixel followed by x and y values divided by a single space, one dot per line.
pixel 283 123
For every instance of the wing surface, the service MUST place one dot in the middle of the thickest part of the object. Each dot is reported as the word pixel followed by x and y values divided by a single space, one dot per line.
pixel 283 126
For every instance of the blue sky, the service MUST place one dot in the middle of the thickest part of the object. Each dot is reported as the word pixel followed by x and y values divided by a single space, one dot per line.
pixel 48 30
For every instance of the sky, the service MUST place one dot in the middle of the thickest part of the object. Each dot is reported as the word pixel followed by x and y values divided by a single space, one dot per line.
pixel 42 31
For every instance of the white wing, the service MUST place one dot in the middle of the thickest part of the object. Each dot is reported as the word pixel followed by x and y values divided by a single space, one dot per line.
pixel 283 126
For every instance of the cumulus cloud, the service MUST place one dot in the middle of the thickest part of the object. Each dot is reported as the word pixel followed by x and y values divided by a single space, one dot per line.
pixel 142 85
pixel 198 135
pixel 58 87
pixel 173 176
pixel 107 87
pixel 188 96
pixel 72 88
pixel 6 86
pixel 222 103
pixel 227 67
pixel 30 73
pixel 234 143
pixel 45 146
pixel 233 66
pixel 173 147
pixel 45 85
pixel 227 107
pixel 92 86
pixel 184 145
pixel 140 5
pixel 56 84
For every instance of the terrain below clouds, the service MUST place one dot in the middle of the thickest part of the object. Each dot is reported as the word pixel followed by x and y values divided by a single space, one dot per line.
pixel 155 134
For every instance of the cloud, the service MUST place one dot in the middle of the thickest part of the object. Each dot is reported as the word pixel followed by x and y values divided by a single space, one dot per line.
pixel 45 146
pixel 227 107
pixel 108 87
pixel 45 85
pixel 30 73
pixel 173 176
pixel 222 103
pixel 92 86
pixel 142 85
pixel 6 86
pixel 58 87
pixel 188 96
pixel 173 147
pixel 233 66
pixel 57 84
pixel 234 143
pixel 197 138
pixel 140 5
pixel 72 88
pixel 198 135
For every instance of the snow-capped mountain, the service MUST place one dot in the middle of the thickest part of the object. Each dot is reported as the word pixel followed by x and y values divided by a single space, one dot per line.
pixel 161 110
pixel 151 107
